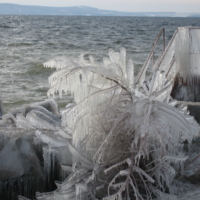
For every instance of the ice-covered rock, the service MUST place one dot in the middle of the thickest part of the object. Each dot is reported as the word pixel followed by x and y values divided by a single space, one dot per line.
pixel 21 170
pixel 42 115
pixel 23 156
pixel 18 158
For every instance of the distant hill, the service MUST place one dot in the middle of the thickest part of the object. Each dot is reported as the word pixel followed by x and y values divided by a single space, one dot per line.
pixel 15 9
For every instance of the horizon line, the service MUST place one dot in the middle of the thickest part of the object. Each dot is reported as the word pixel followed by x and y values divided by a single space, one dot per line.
pixel 104 9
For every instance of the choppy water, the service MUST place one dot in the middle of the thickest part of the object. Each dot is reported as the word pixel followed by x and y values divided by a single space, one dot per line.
pixel 28 41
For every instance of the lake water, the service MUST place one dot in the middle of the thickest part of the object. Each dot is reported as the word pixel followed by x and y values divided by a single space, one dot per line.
pixel 28 41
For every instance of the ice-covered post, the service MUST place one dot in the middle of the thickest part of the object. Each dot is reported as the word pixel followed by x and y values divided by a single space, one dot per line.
pixel 187 57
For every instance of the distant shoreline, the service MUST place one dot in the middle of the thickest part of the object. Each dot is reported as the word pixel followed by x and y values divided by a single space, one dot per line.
pixel 15 9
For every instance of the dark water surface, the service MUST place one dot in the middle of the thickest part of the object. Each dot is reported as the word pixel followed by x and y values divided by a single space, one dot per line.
pixel 28 41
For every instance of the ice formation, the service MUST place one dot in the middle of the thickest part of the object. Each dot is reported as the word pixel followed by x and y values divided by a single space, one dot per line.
pixel 124 138
pixel 127 136
pixel 26 163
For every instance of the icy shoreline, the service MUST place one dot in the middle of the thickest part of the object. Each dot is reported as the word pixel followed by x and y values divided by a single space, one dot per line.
pixel 125 138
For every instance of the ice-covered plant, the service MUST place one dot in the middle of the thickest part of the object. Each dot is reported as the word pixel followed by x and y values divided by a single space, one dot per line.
pixel 125 140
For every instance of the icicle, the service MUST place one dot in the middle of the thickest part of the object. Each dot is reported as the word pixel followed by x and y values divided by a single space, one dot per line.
pixel 122 62
pixel 130 73
pixel 1 106
pixel 59 63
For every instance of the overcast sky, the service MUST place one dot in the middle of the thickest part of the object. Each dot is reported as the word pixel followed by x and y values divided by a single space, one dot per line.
pixel 120 5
